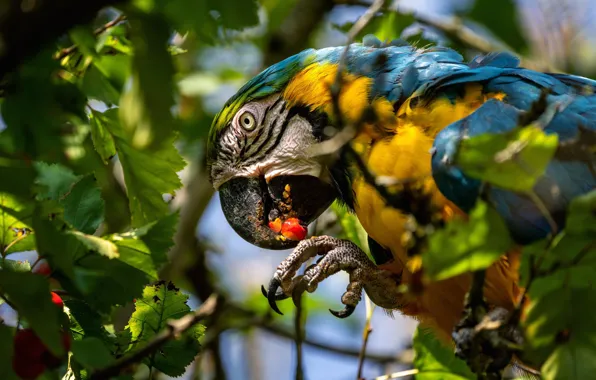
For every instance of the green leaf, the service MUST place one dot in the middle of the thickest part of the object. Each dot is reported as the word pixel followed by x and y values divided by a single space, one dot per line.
pixel 146 248
pixel 102 139
pixel 84 321
pixel 83 205
pixel 514 160
pixel 16 266
pixel 464 246
pixel 160 303
pixel 502 19
pixel 582 215
pixel 148 175
pixel 6 350
pixel 107 282
pixel 559 329
pixel 145 110
pixel 434 360
pixel 15 217
pixel 91 353
pixel 102 246
pixel 97 86
pixel 83 37
pixel 54 180
pixel 351 227
pixel 30 293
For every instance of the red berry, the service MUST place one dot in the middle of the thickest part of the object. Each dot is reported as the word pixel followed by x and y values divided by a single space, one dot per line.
pixel 27 369
pixel 26 342
pixel 275 225
pixel 52 361
pixel 28 352
pixel 293 230
pixel 57 300
pixel 42 267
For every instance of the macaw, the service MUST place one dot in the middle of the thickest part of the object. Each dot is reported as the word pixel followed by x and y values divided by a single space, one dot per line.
pixel 271 157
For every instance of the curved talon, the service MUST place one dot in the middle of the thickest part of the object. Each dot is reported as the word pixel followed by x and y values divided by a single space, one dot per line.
pixel 299 289
pixel 274 284
pixel 344 313
pixel 279 295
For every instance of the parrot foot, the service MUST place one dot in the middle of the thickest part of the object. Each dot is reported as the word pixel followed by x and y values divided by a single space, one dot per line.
pixel 381 286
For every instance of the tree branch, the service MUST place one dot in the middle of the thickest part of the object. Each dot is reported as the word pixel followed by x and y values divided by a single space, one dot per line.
pixel 174 330
pixel 71 49
pixel 26 27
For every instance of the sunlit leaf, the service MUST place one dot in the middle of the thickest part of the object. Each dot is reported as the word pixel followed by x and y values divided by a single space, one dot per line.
pixel 102 246
pixel 435 360
pixel 16 266
pixel 146 248
pixel 30 293
pixel 160 303
pixel 15 217
pixel 464 246
pixel 83 37
pixel 513 160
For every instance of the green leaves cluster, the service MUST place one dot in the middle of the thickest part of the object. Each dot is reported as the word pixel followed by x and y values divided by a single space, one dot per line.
pixel 87 160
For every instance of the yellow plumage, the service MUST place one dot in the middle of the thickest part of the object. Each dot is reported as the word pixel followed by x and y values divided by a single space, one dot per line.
pixel 404 154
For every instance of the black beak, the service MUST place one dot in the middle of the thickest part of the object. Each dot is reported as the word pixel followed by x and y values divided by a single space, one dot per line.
pixel 249 204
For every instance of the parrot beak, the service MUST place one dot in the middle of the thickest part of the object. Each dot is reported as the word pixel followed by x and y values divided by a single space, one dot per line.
pixel 250 204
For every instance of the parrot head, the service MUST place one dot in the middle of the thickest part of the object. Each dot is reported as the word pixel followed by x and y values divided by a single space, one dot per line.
pixel 258 158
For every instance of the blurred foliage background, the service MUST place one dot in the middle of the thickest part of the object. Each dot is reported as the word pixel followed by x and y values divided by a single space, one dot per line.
pixel 109 98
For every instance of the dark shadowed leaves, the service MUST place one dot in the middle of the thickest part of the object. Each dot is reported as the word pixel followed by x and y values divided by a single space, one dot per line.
pixel 30 293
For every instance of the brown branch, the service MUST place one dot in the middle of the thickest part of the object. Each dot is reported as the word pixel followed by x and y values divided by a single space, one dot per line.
pixel 298 339
pixel 26 27
pixel 174 329
pixel 69 50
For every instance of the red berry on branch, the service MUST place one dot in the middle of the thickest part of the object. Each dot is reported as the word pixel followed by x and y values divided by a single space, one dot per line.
pixel 56 300
pixel 42 267
pixel 28 353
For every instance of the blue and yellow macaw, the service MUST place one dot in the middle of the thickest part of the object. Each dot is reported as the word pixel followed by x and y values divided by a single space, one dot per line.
pixel 266 159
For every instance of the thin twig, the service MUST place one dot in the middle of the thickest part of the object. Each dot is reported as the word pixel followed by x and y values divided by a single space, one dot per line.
pixel 299 338
pixel 365 335
pixel 174 330
pixel 71 49
pixel 398 375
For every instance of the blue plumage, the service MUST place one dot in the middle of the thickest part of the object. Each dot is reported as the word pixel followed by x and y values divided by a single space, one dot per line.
pixel 561 182
pixel 401 71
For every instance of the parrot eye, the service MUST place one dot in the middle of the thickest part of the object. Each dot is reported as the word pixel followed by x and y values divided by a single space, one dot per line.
pixel 247 121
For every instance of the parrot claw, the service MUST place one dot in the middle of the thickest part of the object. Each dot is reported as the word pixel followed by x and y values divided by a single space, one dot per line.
pixel 344 313
pixel 274 284
pixel 279 294
pixel 381 286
